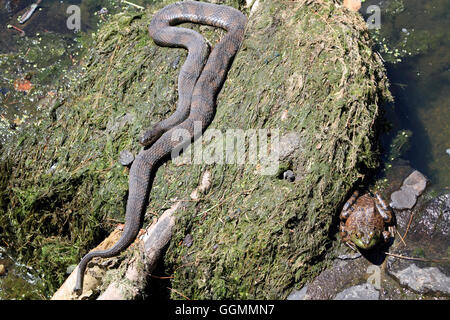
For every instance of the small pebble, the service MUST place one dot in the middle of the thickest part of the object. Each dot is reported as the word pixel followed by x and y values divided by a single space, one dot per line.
pixel 289 175
pixel 126 158
pixel 70 268
pixel 175 63
pixel 188 241
pixel 2 270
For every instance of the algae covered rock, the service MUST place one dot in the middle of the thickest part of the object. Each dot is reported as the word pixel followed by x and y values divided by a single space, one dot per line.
pixel 305 68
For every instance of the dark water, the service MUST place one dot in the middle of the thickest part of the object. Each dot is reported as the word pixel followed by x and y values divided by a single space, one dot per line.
pixel 20 281
pixel 420 82
pixel 413 39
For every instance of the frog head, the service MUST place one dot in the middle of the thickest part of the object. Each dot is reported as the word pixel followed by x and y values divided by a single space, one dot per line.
pixel 365 238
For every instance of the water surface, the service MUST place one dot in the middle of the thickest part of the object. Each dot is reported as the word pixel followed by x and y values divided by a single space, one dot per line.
pixel 416 36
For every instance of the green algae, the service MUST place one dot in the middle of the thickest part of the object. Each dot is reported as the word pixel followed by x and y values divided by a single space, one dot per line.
pixel 255 236
pixel 400 145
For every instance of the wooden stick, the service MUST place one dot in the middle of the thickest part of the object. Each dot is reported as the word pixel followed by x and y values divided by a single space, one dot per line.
pixel 414 258
pixel 409 223
pixel 179 293
pixel 133 4
pixel 401 238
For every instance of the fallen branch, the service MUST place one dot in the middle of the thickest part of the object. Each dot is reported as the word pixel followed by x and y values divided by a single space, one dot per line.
pixel 133 4
pixel 142 263
pixel 154 241
pixel 414 258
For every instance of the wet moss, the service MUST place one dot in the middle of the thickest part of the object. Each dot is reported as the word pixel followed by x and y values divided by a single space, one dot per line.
pixel 255 236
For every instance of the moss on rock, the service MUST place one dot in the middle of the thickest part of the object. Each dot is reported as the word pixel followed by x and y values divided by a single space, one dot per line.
pixel 304 67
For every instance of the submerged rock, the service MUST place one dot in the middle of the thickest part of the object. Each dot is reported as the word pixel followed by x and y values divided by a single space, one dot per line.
pixel 341 275
pixel 420 262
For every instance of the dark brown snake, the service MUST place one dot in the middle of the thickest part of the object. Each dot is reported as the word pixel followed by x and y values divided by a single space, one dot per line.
pixel 198 87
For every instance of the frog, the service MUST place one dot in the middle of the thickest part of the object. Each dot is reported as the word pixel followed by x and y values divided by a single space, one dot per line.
pixel 365 221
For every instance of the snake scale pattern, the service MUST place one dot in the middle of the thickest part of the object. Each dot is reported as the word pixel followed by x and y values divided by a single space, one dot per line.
pixel 200 80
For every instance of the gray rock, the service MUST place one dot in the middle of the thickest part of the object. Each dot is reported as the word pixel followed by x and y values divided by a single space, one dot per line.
pixel 430 223
pixel 412 187
pixel 364 291
pixel 434 218
pixel 403 199
pixel 416 182
pixel 423 280
pixel 289 143
pixel 53 167
pixel 351 256
pixel 341 275
pixel 126 158
pixel 298 294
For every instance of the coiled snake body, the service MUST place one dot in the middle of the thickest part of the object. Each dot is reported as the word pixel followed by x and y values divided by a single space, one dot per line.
pixel 198 86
